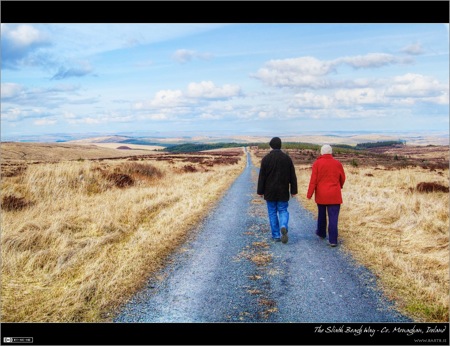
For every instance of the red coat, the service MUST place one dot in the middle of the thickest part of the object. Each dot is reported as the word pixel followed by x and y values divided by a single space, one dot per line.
pixel 327 180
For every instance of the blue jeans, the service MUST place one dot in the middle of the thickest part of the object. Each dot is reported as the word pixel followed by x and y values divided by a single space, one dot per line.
pixel 278 216
pixel 333 216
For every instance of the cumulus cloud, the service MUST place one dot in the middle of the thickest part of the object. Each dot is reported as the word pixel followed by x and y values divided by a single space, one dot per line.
pixel 401 92
pixel 309 72
pixel 357 96
pixel 13 114
pixel 185 55
pixel 415 85
pixel 312 100
pixel 164 98
pixel 298 72
pixel 413 49
pixel 44 122
pixel 195 93
pixel 10 90
pixel 372 60
pixel 340 98
pixel 207 89
pixel 17 94
pixel 210 116
pixel 19 43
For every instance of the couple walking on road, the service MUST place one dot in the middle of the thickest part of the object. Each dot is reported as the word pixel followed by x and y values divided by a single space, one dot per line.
pixel 277 182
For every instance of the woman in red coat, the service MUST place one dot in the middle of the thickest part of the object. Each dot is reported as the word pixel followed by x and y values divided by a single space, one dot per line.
pixel 327 180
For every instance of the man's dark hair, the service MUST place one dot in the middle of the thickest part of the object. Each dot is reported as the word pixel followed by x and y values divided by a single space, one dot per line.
pixel 275 143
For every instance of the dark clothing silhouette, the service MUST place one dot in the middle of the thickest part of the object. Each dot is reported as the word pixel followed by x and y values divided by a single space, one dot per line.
pixel 277 179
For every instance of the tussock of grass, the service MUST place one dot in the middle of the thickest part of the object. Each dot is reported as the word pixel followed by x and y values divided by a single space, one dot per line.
pixel 260 244
pixel 261 259
pixel 87 244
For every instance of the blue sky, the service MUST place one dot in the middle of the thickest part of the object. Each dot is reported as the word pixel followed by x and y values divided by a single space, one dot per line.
pixel 236 78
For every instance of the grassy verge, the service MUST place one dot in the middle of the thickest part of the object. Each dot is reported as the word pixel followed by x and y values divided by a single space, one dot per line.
pixel 80 238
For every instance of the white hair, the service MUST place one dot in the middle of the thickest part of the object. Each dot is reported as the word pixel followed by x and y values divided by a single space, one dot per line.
pixel 326 149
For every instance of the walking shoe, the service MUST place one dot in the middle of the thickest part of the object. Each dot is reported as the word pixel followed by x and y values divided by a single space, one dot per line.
pixel 333 245
pixel 276 239
pixel 317 234
pixel 284 236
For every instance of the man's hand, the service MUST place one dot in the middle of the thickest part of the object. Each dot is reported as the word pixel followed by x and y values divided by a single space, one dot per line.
pixel 261 196
pixel 293 195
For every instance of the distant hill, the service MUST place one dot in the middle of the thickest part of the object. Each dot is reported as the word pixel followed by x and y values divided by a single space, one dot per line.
pixel 103 139
pixel 53 152
pixel 351 138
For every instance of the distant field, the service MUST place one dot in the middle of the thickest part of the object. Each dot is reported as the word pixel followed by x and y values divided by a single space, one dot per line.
pixel 20 152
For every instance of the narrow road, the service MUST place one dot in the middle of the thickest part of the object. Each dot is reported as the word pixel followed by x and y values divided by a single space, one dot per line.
pixel 231 271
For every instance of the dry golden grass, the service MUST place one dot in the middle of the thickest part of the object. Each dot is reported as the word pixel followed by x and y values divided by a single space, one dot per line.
pixel 261 258
pixel 402 235
pixel 84 245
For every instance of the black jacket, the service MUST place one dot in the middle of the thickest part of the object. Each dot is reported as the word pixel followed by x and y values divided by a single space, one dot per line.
pixel 277 172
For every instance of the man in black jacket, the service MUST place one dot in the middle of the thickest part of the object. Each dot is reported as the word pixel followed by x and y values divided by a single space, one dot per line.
pixel 277 181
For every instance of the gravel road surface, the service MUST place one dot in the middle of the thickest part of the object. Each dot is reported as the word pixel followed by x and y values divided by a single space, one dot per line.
pixel 231 271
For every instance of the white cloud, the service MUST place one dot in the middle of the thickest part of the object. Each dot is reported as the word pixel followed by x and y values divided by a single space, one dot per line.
pixel 178 101
pixel 185 55
pixel 23 35
pixel 69 115
pixel 357 96
pixel 372 60
pixel 210 116
pixel 309 72
pixel 298 72
pixel 165 98
pixel 44 122
pixel 90 120
pixel 20 45
pixel 312 100
pixel 442 99
pixel 10 90
pixel 158 116
pixel 207 89
pixel 413 49
pixel 12 114
pixel 19 114
pixel 415 85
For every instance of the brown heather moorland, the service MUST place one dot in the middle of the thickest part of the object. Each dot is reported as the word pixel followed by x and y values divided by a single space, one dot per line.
pixel 392 223
pixel 82 230
pixel 82 234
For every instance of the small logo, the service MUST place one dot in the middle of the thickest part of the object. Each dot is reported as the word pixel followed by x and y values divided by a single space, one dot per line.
pixel 18 340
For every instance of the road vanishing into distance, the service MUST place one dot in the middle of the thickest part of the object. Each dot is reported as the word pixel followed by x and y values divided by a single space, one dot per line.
pixel 231 271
